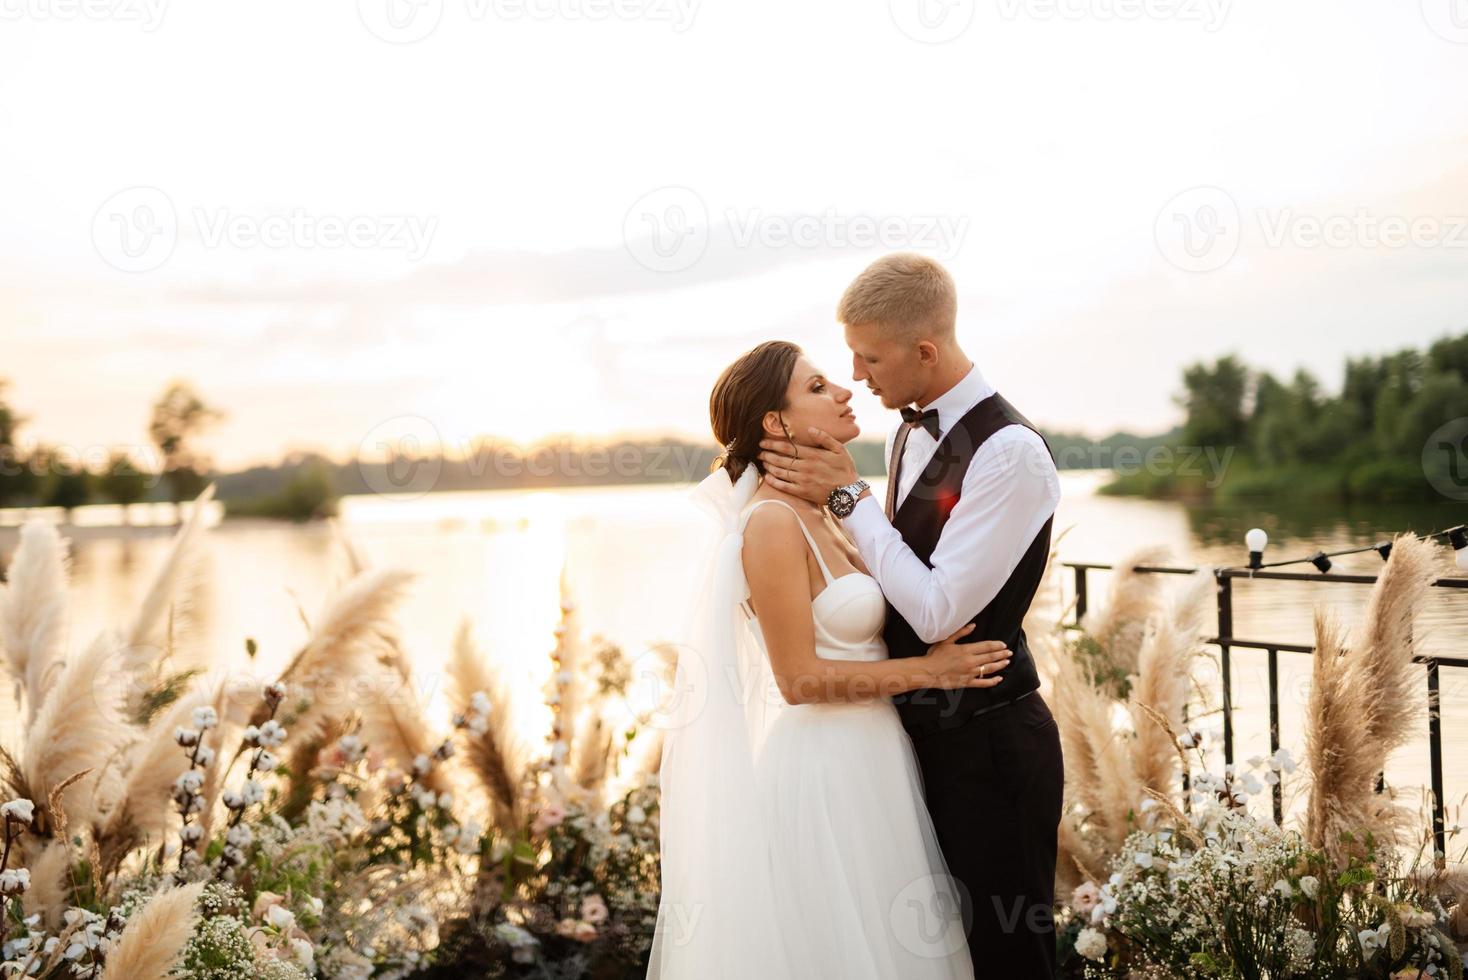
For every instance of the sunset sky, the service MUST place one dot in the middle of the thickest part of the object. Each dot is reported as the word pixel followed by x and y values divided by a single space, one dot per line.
pixel 524 217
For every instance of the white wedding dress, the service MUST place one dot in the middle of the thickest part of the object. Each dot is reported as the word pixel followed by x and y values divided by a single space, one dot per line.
pixel 795 843
pixel 861 889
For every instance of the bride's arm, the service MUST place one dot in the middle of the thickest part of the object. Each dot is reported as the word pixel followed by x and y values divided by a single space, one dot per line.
pixel 774 564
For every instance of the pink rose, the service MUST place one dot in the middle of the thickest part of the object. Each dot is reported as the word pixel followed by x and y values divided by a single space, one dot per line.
pixel 594 909
pixel 549 816
pixel 1085 897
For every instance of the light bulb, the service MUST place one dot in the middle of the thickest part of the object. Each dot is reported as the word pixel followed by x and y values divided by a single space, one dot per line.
pixel 1256 539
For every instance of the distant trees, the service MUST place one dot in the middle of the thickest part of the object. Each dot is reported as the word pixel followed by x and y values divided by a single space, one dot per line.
pixel 178 419
pixel 1369 439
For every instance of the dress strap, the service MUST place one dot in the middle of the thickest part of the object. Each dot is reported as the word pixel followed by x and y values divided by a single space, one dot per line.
pixel 809 538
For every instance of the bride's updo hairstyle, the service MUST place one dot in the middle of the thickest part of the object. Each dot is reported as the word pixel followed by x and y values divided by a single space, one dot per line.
pixel 754 384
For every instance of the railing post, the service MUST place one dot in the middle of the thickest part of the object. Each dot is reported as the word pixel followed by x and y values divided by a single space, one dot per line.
pixel 1080 594
pixel 1274 730
pixel 1435 752
pixel 1225 633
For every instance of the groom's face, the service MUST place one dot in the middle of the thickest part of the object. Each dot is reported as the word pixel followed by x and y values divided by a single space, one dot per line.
pixel 890 369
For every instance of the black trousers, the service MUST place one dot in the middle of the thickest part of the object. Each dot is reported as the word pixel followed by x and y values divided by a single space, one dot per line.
pixel 993 787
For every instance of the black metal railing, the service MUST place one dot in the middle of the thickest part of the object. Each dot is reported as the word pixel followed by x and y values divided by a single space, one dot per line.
pixel 1226 641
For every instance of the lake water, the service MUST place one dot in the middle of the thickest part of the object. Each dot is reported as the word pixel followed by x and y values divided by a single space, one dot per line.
pixel 628 556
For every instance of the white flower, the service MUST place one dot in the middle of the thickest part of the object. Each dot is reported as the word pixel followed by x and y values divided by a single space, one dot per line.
pixel 479 703
pixel 274 692
pixel 186 736
pixel 421 764
pixel 636 814
pixel 21 811
pixel 426 798
pixel 204 756
pixel 1282 760
pixel 1284 889
pixel 1143 859
pixel 266 762
pixel 305 954
pixel 232 800
pixel 252 792
pixel 1091 944
pixel 204 717
pixel 280 917
pixel 14 881
pixel 1310 885
pixel 240 836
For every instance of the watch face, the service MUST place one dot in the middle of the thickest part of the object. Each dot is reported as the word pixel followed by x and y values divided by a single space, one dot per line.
pixel 840 502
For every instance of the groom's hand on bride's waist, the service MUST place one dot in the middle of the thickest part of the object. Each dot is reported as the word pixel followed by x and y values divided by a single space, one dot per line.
pixel 810 472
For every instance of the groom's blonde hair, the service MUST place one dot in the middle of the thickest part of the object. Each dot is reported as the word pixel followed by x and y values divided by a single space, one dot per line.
pixel 906 293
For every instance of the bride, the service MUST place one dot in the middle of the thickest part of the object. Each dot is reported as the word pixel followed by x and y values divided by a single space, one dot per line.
pixel 795 841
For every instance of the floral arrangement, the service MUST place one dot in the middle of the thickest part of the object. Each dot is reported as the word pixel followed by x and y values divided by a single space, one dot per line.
pixel 1169 870
pixel 156 825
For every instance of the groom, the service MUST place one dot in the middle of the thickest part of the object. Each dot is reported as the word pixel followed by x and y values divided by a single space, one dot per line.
pixel 963 538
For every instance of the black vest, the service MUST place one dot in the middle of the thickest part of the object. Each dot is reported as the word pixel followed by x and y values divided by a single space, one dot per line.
pixel 920 520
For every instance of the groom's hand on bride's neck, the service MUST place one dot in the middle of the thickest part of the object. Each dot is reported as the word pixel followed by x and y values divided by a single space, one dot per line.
pixel 809 471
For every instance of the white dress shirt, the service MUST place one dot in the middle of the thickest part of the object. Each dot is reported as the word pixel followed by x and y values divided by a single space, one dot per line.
pixel 1009 491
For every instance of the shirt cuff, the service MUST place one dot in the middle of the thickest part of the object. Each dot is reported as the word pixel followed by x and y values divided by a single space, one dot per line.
pixel 865 519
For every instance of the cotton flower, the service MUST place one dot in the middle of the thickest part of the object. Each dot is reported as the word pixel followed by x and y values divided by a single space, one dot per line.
pixel 191 833
pixel 267 762
pixel 21 811
pixel 240 836
pixel 204 717
pixel 421 765
pixel 204 756
pixel 186 737
pixel 1091 944
pixel 1282 761
pixel 14 881
pixel 479 703
pixel 270 735
pixel 274 693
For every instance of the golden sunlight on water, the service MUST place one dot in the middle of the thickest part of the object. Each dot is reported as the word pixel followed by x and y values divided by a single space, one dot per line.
pixel 629 556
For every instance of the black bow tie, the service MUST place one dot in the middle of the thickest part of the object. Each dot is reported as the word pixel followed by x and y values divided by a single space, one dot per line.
pixel 928 420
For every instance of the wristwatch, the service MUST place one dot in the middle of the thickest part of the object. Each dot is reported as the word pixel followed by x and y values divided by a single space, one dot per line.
pixel 842 500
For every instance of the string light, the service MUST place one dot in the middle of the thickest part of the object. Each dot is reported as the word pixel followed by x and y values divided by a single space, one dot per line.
pixel 1256 541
